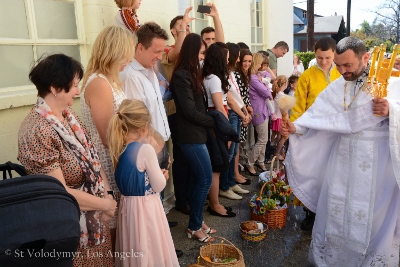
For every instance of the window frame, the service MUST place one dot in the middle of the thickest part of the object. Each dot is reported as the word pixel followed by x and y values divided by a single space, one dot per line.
pixel 205 18
pixel 11 96
pixel 257 45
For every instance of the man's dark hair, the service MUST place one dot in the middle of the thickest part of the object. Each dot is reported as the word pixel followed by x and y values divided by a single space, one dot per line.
pixel 283 45
pixel 243 45
pixel 58 71
pixel 325 44
pixel 174 20
pixel 148 31
pixel 206 30
pixel 265 53
pixel 351 43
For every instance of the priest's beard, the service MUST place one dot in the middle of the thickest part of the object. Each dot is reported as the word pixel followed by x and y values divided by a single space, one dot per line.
pixel 352 76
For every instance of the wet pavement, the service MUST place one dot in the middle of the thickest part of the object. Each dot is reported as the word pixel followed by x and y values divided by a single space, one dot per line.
pixel 284 247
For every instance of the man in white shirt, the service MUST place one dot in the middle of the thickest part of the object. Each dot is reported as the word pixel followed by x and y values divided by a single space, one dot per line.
pixel 139 81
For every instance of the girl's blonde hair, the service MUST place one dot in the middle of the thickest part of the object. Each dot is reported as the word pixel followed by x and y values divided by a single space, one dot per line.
pixel 257 59
pixel 131 117
pixel 112 48
pixel 278 83
pixel 125 3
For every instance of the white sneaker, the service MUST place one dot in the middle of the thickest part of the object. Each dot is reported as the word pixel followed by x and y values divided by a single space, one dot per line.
pixel 237 189
pixel 229 194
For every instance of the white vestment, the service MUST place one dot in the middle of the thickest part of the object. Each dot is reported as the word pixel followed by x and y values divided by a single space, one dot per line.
pixel 345 167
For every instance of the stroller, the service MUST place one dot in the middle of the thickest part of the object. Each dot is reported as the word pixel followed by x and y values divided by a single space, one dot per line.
pixel 39 220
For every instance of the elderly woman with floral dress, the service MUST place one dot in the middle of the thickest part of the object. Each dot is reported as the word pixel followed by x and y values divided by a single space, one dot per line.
pixel 53 141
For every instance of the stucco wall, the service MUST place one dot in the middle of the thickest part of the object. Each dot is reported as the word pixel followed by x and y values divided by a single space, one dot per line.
pixel 279 27
pixel 235 17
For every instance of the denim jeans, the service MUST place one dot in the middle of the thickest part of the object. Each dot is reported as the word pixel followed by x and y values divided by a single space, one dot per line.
pixel 200 181
pixel 227 178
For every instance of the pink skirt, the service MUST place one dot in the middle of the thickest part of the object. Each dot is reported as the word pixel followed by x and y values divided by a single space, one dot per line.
pixel 143 235
pixel 276 125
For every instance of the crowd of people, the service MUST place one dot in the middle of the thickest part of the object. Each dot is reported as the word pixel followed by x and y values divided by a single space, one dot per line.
pixel 215 101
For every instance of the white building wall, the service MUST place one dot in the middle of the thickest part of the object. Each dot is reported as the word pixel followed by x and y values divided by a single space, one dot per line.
pixel 96 14
pixel 279 27
pixel 235 18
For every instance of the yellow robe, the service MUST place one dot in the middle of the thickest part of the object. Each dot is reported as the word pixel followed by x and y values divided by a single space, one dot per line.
pixel 311 83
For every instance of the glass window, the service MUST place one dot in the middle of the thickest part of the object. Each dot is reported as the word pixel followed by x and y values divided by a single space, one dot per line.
pixel 13 22
pixel 257 27
pixel 36 27
pixel 69 50
pixel 16 62
pixel 61 18
pixel 200 25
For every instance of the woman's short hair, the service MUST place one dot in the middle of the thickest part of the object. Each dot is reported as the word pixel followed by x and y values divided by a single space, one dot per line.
pixel 57 70
pixel 112 47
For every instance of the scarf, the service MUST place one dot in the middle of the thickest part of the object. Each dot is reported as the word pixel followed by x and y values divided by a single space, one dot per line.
pixel 130 20
pixel 86 155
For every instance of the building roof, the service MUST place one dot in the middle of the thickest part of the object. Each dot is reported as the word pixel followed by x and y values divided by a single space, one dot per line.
pixel 329 24
pixel 297 20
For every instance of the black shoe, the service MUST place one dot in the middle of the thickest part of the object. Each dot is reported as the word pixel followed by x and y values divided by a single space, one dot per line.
pixel 228 209
pixel 172 224
pixel 246 170
pixel 308 223
pixel 259 168
pixel 184 209
pixel 179 253
pixel 248 181
pixel 228 213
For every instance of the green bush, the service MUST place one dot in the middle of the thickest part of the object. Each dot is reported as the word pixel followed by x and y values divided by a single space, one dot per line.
pixel 305 57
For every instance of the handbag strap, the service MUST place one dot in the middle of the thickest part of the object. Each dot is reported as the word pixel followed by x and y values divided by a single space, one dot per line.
pixel 8 167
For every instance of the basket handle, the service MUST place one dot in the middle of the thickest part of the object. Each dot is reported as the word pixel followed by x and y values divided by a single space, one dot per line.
pixel 271 168
pixel 225 240
pixel 262 187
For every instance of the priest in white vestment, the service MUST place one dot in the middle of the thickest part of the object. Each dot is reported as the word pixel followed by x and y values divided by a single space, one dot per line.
pixel 344 164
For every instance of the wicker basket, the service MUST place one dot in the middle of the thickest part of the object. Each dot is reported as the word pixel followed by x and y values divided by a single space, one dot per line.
pixel 222 250
pixel 255 238
pixel 274 218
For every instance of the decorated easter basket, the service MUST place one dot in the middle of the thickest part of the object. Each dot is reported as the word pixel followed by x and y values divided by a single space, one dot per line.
pixel 251 236
pixel 223 250
pixel 274 218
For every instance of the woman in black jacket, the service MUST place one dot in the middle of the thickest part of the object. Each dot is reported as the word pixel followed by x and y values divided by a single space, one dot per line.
pixel 192 123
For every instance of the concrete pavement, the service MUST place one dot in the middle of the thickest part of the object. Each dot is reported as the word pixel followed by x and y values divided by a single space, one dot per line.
pixel 284 247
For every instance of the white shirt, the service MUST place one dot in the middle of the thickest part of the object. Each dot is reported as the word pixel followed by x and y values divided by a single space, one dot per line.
pixel 142 84
pixel 213 85
pixel 312 62
pixel 235 91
